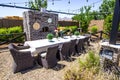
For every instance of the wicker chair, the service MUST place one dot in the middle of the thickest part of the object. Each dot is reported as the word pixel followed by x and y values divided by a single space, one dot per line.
pixel 80 46
pixel 22 60
pixel 72 47
pixel 87 39
pixel 64 51
pixel 48 58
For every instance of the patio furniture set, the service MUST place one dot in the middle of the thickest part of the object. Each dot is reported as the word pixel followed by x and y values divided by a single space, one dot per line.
pixel 46 53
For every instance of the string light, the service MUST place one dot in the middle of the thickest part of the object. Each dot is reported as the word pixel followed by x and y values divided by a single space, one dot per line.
pixel 25 3
pixel 52 2
pixel 69 2
pixel 93 4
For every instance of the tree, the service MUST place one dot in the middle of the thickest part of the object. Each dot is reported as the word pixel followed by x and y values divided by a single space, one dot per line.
pixel 84 17
pixel 96 15
pixel 106 8
pixel 38 4
pixel 108 23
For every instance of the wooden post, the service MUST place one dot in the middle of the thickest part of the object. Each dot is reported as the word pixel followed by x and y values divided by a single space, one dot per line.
pixel 101 32
pixel 115 23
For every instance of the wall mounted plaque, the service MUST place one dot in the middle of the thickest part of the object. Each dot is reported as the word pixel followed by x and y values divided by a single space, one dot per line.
pixel 49 20
pixel 36 26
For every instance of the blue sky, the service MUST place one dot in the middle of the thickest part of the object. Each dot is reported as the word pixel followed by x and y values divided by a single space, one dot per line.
pixel 59 5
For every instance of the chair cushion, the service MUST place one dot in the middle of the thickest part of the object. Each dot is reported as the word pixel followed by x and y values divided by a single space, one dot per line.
pixel 32 50
pixel 43 54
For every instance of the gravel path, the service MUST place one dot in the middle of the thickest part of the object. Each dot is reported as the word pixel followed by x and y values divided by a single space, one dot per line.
pixel 37 73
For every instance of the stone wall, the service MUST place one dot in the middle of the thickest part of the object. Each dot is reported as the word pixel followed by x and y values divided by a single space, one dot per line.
pixel 37 25
pixel 106 62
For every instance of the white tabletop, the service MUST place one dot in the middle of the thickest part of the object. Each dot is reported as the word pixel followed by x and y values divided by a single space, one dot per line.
pixel 110 45
pixel 46 42
pixel 43 44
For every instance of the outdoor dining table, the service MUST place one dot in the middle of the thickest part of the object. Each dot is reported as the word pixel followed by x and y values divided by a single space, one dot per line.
pixel 42 44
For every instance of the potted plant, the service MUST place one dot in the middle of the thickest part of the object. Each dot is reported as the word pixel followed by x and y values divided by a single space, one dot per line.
pixel 40 5
pixel 77 33
pixel 50 36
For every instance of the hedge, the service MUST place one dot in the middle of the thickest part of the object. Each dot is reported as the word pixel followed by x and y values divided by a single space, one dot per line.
pixel 6 33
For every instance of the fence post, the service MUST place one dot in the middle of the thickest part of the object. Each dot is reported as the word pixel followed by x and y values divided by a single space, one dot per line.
pixel 101 32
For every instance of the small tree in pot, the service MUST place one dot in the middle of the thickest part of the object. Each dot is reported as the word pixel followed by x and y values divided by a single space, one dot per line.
pixel 50 36
pixel 77 33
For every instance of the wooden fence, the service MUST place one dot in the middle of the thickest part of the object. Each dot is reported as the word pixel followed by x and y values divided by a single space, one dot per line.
pixel 6 23
pixel 98 35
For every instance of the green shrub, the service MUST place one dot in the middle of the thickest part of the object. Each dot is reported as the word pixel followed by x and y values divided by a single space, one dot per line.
pixel 73 28
pixel 88 69
pixel 3 31
pixel 106 36
pixel 76 33
pixel 67 29
pixel 16 29
pixel 88 75
pixel 8 31
pixel 50 36
pixel 108 23
pixel 91 60
pixel 94 29
pixel 70 29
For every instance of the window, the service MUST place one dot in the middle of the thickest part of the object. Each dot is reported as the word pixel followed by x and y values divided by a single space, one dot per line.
pixel 45 29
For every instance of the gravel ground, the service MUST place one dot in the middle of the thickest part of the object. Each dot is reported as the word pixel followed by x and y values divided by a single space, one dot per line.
pixel 37 73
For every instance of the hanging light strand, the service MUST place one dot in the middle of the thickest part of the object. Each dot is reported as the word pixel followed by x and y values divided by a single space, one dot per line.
pixel 52 2
pixel 69 2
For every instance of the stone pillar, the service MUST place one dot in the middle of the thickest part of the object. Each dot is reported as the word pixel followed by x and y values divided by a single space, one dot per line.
pixel 37 24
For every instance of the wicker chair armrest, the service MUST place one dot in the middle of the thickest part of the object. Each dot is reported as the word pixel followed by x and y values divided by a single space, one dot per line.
pixel 22 47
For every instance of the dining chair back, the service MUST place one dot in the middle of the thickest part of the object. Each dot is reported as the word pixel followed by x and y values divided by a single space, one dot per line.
pixel 49 60
pixel 64 51
pixel 22 60
pixel 72 47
